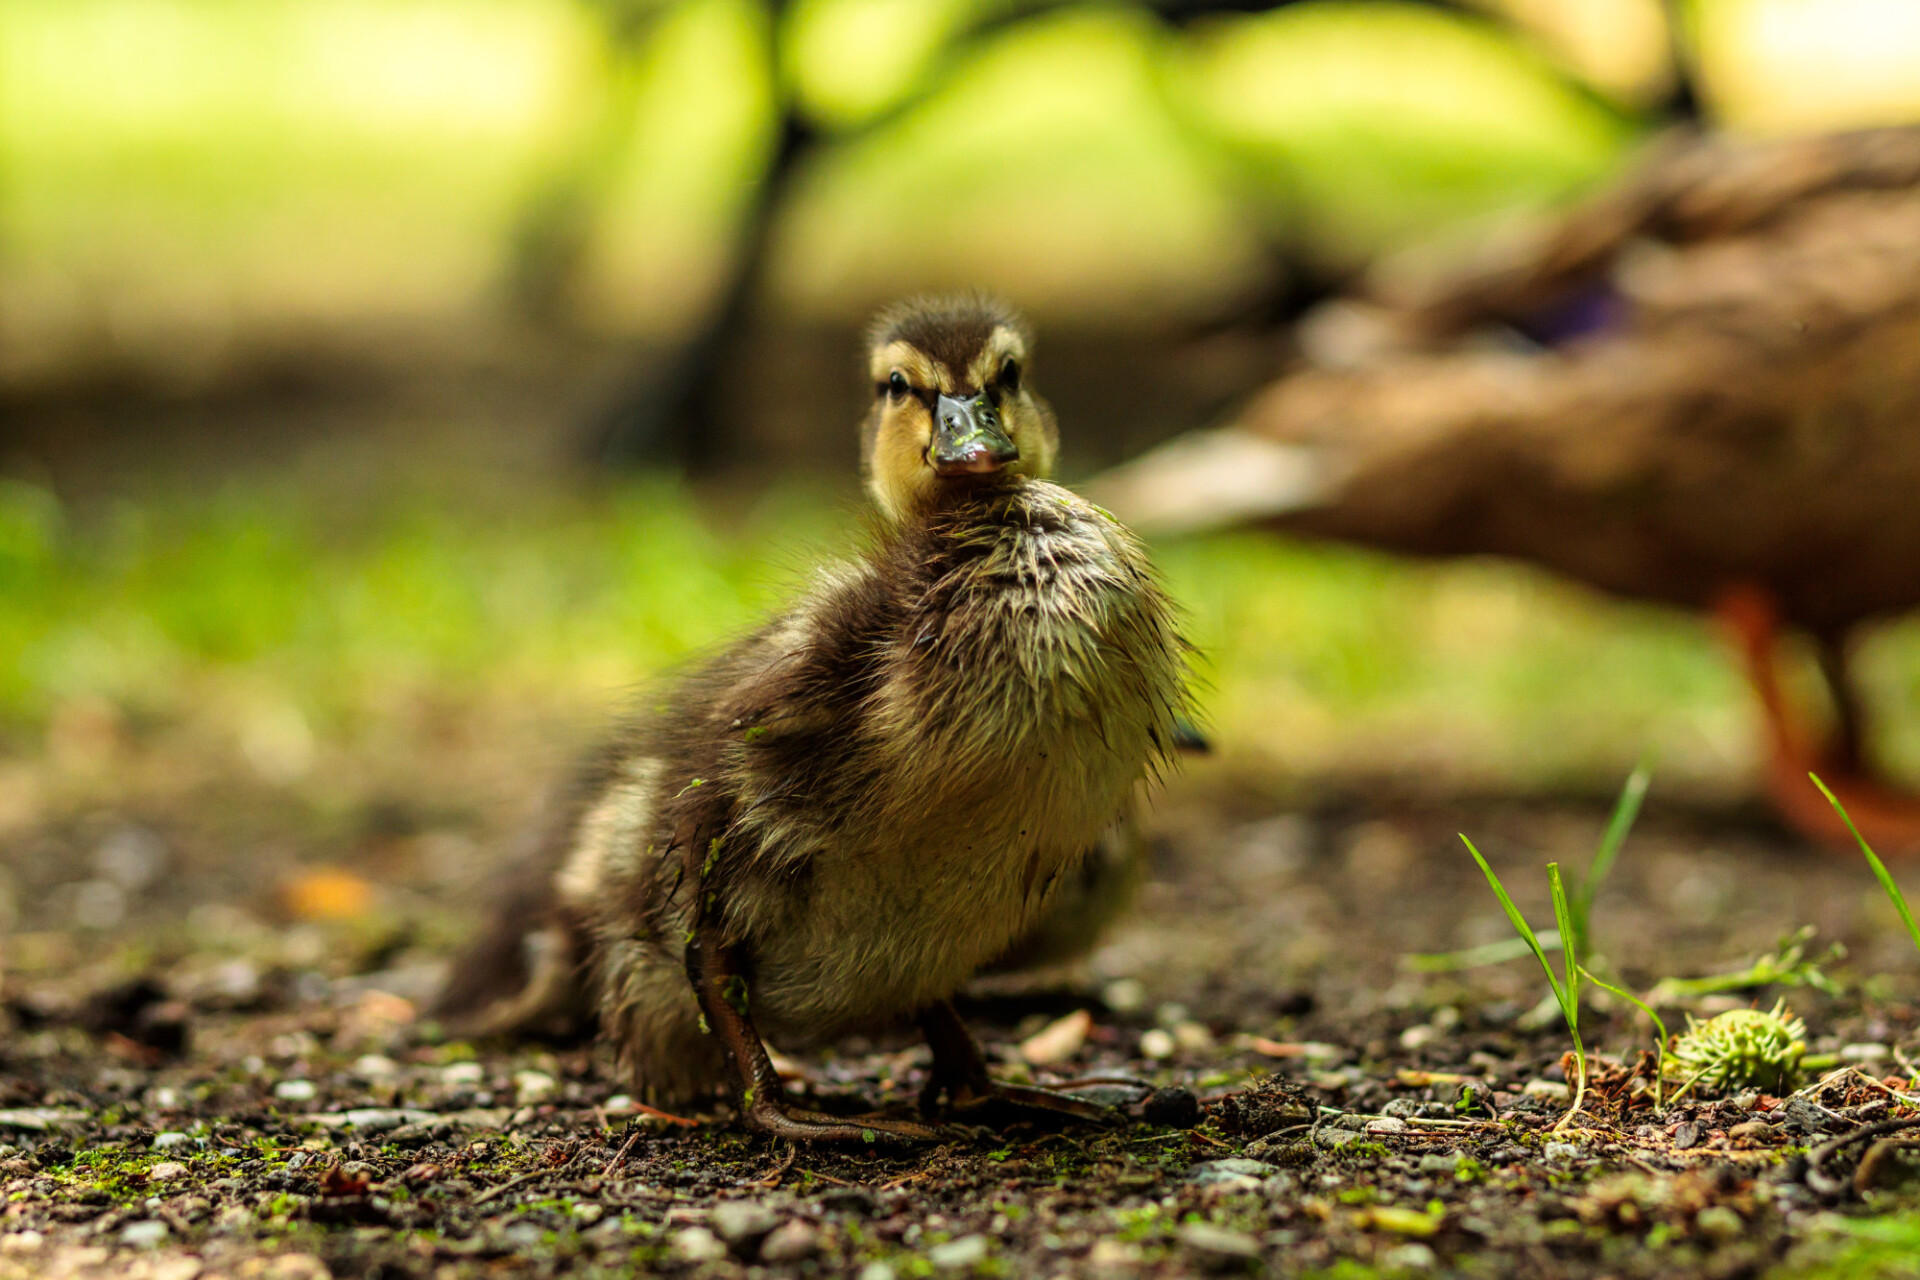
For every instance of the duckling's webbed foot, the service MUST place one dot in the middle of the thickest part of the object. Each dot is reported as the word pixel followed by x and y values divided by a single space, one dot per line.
pixel 960 1074
pixel 719 983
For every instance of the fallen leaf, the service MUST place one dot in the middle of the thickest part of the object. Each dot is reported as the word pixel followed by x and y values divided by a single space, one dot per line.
pixel 1058 1041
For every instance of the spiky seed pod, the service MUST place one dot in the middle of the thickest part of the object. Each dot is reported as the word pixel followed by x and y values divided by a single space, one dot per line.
pixel 1743 1048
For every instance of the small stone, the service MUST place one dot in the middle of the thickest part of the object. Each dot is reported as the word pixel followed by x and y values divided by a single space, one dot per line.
pixel 1803 1117
pixel 697 1244
pixel 1193 1037
pixel 1401 1108
pixel 1109 1255
pixel 21 1242
pixel 1686 1135
pixel 1174 1107
pixel 1338 1137
pixel 877 1271
pixel 587 1213
pixel 963 1254
pixel 1218 1248
pixel 1125 995
pixel 463 1073
pixel 143 1235
pixel 1410 1257
pixel 534 1087
pixel 295 1091
pixel 1560 1152
pixel 1718 1223
pixel 168 1141
pixel 1157 1044
pixel 1232 1168
pixel 1443 1164
pixel 619 1104
pixel 791 1241
pixel 166 1171
pixel 375 1066
pixel 1751 1131
pixel 1551 1090
pixel 1387 1124
pixel 1418 1037
pixel 742 1223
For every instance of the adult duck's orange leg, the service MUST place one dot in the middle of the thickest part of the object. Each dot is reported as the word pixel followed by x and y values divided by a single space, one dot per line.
pixel 1888 817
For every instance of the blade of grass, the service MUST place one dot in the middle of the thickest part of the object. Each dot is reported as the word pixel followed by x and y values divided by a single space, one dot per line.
pixel 1570 1001
pixel 1520 925
pixel 1476 957
pixel 1873 860
pixel 1626 810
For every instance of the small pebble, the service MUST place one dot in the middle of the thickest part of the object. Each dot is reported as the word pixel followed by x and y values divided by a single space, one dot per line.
pixel 166 1171
pixel 1218 1248
pixel 534 1087
pixel 375 1066
pixel 696 1245
pixel 1418 1037
pixel 463 1073
pixel 1157 1044
pixel 168 1141
pixel 21 1242
pixel 1125 995
pixel 1401 1108
pixel 963 1254
pixel 588 1213
pixel 741 1222
pixel 1174 1107
pixel 143 1235
pixel 295 1090
pixel 1551 1090
pixel 1387 1124
pixel 1686 1136
pixel 877 1271
pixel 792 1241
pixel 1192 1037
pixel 1719 1223
pixel 1560 1151
pixel 1410 1257
pixel 1058 1041
pixel 1437 1163
pixel 1751 1131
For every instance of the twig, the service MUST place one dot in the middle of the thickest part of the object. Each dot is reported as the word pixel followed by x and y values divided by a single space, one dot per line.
pixel 621 1154
pixel 1826 1184
pixel 772 1180
pixel 494 1192
pixel 825 1177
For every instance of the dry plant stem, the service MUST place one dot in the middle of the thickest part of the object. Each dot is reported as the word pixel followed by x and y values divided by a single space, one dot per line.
pixel 960 1072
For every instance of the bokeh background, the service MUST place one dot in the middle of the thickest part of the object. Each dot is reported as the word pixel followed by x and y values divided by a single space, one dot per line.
pixel 390 385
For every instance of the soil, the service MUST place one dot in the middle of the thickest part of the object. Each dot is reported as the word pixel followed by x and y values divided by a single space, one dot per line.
pixel 1290 1098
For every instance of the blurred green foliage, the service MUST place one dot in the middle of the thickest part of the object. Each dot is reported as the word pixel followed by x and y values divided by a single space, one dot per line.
pixel 216 611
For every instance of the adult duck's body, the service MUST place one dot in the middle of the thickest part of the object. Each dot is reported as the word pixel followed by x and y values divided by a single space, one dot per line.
pixel 838 821
pixel 1701 388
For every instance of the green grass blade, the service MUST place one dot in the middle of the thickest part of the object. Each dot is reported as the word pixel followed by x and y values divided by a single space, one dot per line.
pixel 1626 810
pixel 1873 860
pixel 1569 953
pixel 1476 957
pixel 1520 925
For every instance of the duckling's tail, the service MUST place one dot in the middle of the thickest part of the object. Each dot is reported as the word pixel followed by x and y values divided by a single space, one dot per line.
pixel 523 975
pixel 1212 480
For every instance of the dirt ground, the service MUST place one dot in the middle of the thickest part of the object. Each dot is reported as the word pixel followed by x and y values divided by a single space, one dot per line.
pixel 1290 1098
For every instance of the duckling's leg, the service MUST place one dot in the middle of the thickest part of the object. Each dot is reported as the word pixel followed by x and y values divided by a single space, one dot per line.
pixel 1888 817
pixel 960 1072
pixel 719 981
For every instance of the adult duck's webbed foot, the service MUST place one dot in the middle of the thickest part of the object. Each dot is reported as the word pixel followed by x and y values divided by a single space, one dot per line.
pixel 959 1073
pixel 1887 816
pixel 720 982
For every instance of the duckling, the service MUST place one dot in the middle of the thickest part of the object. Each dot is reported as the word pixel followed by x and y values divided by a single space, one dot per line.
pixel 839 819
pixel 1698 388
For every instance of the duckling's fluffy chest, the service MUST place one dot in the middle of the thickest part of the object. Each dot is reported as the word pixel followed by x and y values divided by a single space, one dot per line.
pixel 1022 676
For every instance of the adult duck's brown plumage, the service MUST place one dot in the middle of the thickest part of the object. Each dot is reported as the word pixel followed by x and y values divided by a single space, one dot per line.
pixel 1701 388
pixel 841 818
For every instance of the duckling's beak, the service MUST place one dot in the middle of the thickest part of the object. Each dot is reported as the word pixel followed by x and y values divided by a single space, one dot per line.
pixel 968 439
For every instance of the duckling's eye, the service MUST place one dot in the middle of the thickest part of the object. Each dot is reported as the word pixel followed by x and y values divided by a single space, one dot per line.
pixel 897 385
pixel 1010 375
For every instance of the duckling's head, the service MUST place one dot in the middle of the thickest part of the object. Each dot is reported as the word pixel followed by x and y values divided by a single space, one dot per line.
pixel 952 408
